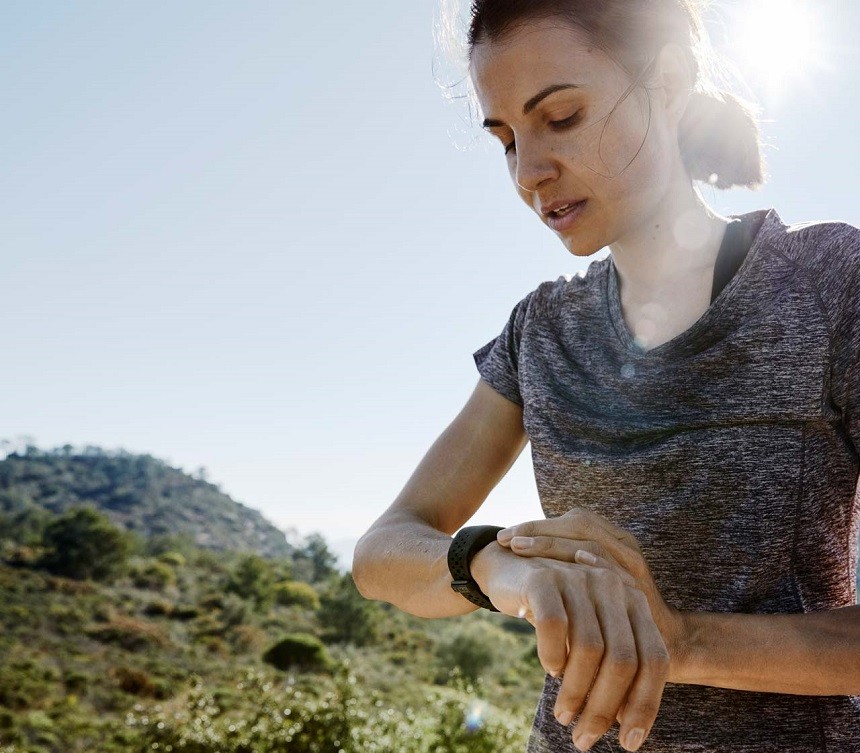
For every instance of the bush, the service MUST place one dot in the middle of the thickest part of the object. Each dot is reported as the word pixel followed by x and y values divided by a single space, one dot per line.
pixel 134 681
pixel 247 638
pixel 83 544
pixel 300 651
pixel 129 633
pixel 471 649
pixel 153 574
pixel 173 558
pixel 295 593
pixel 329 714
pixel 253 579
pixel 347 615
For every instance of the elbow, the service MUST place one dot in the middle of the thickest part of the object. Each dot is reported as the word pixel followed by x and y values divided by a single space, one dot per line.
pixel 360 568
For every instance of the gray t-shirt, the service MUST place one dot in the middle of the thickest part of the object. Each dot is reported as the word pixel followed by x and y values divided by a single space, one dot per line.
pixel 730 452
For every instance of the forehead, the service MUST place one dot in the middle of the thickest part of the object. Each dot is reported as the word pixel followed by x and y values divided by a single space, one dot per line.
pixel 534 54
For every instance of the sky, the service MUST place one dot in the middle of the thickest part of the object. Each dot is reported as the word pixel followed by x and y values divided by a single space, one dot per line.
pixel 266 241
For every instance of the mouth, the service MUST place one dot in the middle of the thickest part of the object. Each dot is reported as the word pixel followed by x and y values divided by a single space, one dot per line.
pixel 565 217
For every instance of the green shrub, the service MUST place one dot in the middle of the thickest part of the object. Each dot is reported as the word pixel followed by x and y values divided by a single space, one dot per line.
pixel 253 579
pixel 83 543
pixel 153 574
pixel 471 648
pixel 346 615
pixel 174 559
pixel 295 593
pixel 299 651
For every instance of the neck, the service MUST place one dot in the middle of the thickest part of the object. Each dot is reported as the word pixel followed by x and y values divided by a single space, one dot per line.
pixel 674 246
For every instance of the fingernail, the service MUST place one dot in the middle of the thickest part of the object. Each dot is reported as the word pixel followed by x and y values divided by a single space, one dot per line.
pixel 504 535
pixel 522 542
pixel 587 557
pixel 634 738
pixel 584 742
pixel 565 718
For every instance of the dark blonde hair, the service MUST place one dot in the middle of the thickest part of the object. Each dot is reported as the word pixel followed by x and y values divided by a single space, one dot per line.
pixel 719 137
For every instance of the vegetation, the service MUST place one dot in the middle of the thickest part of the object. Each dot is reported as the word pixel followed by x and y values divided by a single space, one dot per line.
pixel 139 493
pixel 117 638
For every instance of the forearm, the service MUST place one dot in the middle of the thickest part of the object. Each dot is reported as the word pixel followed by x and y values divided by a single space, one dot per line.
pixel 405 562
pixel 816 653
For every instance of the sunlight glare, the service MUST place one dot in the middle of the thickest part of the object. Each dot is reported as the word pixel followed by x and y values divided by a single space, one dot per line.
pixel 778 41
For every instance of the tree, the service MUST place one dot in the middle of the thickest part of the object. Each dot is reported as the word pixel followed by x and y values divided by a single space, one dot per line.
pixel 347 616
pixel 253 578
pixel 83 543
pixel 318 556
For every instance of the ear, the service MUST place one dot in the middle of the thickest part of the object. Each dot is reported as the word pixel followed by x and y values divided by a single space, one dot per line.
pixel 675 80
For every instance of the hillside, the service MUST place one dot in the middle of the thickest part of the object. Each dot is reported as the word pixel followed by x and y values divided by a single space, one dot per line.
pixel 214 652
pixel 139 493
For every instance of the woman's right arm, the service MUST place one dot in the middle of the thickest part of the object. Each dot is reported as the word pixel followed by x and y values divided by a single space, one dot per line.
pixel 402 558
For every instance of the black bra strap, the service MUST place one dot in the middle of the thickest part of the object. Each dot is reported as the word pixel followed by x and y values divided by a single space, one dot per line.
pixel 736 242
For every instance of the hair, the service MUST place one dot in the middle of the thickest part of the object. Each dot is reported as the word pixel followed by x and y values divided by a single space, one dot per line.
pixel 718 137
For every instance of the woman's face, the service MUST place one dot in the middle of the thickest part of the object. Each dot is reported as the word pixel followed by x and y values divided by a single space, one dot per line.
pixel 551 160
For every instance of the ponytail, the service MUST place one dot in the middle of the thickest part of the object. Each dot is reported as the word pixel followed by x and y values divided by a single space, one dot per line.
pixel 720 140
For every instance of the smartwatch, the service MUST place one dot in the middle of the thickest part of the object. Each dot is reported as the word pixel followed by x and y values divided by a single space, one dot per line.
pixel 464 546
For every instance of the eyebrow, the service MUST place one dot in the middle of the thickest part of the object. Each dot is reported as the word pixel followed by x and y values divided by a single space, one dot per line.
pixel 533 102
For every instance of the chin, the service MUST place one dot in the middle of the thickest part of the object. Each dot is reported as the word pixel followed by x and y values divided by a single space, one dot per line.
pixel 579 248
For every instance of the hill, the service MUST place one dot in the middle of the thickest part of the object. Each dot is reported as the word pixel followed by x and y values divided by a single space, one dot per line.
pixel 139 493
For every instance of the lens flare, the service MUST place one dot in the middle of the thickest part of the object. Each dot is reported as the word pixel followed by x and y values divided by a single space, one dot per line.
pixel 475 715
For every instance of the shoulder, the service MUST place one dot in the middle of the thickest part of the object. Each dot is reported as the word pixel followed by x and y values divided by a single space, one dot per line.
pixel 828 249
pixel 566 291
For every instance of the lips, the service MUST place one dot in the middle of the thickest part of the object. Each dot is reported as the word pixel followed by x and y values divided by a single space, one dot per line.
pixel 550 210
pixel 566 221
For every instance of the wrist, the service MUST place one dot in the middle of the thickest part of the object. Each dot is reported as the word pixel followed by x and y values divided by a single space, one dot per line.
pixel 483 564
pixel 682 656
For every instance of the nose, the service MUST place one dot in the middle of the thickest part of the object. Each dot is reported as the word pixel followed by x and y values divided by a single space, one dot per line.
pixel 534 166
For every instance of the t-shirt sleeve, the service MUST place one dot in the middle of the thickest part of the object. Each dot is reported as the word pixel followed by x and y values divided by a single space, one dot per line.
pixel 498 360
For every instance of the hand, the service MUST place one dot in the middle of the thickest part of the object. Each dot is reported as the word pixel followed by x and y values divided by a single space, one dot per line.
pixel 615 548
pixel 591 625
pixel 571 538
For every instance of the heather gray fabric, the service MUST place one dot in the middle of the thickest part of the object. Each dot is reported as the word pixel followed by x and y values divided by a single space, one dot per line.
pixel 730 452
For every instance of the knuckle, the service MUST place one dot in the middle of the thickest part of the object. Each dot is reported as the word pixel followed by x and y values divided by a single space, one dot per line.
pixel 659 661
pixel 552 620
pixel 638 596
pixel 591 647
pixel 601 719
pixel 645 709
pixel 623 663
pixel 609 577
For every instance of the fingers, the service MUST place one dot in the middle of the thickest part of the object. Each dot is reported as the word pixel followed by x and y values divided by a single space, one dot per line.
pixel 550 618
pixel 586 648
pixel 581 523
pixel 618 666
pixel 646 692
pixel 564 550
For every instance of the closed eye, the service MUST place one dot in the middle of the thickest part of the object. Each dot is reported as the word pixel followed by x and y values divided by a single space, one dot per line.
pixel 558 125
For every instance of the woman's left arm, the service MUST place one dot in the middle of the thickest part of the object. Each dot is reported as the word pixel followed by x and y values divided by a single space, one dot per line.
pixel 812 653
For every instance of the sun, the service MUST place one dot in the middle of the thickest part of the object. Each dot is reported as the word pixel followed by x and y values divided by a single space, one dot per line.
pixel 778 42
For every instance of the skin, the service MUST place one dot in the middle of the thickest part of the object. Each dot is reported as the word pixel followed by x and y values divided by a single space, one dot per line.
pixel 663 237
pixel 616 642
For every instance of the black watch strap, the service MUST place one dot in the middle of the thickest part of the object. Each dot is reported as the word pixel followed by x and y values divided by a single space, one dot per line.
pixel 464 546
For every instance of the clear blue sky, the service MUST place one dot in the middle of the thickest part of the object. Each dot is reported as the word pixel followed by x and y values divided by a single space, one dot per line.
pixel 256 237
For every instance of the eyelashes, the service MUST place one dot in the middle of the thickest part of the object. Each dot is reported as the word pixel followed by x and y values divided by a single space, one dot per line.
pixel 558 125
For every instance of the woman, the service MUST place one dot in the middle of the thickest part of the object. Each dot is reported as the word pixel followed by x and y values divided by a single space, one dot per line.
pixel 692 403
